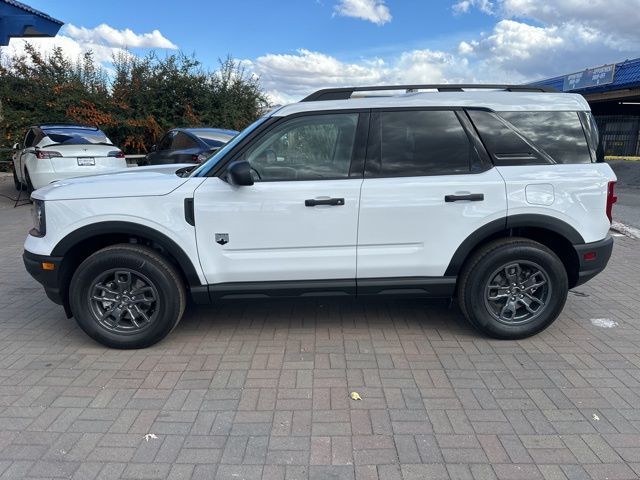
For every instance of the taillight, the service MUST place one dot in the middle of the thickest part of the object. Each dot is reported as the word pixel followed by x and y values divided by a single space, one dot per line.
pixel 611 199
pixel 116 153
pixel 42 154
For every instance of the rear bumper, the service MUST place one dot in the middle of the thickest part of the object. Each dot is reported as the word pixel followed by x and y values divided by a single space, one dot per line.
pixel 598 255
pixel 49 279
pixel 43 177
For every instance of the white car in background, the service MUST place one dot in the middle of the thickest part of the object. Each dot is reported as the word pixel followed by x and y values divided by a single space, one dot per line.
pixel 58 151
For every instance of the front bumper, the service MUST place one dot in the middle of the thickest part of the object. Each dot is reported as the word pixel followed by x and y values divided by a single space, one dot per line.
pixel 49 279
pixel 593 258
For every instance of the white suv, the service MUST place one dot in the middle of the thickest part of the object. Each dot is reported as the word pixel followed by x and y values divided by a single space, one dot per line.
pixel 57 151
pixel 496 195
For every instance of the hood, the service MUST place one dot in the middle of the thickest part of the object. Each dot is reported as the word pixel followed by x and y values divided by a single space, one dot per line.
pixel 129 182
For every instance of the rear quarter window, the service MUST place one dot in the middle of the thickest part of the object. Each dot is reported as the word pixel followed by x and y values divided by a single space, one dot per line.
pixel 559 134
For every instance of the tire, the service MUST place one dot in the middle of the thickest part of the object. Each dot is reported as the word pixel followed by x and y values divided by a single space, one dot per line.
pixel 27 180
pixel 109 273
pixel 16 182
pixel 538 299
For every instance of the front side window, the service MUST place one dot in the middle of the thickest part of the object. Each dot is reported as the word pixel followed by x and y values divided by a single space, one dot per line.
pixel 165 143
pixel 313 147
pixel 559 134
pixel 421 143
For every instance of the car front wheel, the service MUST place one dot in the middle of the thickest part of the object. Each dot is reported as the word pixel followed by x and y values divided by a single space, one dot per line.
pixel 513 288
pixel 127 296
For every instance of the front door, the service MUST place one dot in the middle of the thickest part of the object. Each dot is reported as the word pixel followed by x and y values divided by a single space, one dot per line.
pixel 299 220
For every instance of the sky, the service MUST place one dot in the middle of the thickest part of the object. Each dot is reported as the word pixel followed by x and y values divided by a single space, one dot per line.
pixel 299 46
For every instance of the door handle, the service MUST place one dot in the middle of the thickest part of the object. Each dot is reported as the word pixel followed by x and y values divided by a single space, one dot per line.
pixel 471 197
pixel 312 202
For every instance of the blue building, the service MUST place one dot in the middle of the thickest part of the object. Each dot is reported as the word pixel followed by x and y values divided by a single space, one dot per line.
pixel 18 20
pixel 613 91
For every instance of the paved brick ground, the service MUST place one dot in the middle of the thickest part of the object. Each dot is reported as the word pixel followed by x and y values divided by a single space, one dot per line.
pixel 260 390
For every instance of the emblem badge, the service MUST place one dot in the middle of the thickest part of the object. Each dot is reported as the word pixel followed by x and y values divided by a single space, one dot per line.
pixel 222 238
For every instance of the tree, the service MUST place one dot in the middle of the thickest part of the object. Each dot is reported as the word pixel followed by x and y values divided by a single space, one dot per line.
pixel 134 104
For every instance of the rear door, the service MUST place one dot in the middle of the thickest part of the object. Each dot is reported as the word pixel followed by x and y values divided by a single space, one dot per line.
pixel 428 186
pixel 299 220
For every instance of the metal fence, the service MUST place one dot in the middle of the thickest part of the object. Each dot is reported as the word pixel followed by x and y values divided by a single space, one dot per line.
pixel 619 134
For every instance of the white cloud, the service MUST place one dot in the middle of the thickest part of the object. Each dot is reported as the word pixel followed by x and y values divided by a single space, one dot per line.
pixel 619 17
pixel 371 10
pixel 103 40
pixel 289 77
pixel 464 6
pixel 530 39
pixel 542 38
pixel 105 35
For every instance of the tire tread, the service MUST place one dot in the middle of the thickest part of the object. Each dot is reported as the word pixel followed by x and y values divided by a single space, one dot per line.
pixel 482 253
pixel 160 261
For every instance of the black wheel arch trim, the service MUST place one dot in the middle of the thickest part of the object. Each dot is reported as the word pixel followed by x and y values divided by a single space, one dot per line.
pixel 501 224
pixel 128 228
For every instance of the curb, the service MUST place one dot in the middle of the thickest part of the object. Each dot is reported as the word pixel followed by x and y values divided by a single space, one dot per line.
pixel 626 230
pixel 629 158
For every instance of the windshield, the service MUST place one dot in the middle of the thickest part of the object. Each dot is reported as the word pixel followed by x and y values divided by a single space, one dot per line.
pixel 76 136
pixel 206 167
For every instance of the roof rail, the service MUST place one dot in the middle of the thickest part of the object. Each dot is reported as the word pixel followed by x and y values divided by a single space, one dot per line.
pixel 344 93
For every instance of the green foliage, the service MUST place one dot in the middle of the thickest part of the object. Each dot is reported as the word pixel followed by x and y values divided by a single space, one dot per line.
pixel 135 104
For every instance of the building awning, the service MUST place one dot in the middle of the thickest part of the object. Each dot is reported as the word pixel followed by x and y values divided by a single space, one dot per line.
pixel 18 20
pixel 598 80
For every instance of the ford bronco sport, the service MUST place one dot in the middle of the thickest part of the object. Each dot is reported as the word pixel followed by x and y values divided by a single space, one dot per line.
pixel 497 195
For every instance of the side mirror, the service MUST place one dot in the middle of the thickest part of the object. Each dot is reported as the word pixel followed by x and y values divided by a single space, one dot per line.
pixel 239 174
pixel 16 146
pixel 153 148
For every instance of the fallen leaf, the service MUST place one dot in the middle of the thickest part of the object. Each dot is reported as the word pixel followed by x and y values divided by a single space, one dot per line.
pixel 355 396
pixel 150 435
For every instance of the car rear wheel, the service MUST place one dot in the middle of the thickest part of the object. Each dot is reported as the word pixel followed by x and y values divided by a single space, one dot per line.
pixel 127 296
pixel 27 180
pixel 16 182
pixel 513 288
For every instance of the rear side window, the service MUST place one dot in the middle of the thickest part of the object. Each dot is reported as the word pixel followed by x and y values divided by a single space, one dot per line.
pixel 505 145
pixel 29 138
pixel 593 137
pixel 182 141
pixel 415 143
pixel 559 134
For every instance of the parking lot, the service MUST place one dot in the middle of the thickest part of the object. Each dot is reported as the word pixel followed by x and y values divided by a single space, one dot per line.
pixel 261 389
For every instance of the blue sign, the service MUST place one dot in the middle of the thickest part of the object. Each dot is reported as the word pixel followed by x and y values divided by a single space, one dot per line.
pixel 592 77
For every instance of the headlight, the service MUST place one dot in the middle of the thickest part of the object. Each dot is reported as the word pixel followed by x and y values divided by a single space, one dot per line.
pixel 39 220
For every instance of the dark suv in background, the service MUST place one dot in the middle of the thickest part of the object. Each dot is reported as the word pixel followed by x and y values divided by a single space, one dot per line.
pixel 187 145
